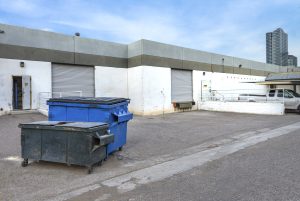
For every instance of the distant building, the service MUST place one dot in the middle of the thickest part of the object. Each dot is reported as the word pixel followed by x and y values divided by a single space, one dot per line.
pixel 292 60
pixel 277 47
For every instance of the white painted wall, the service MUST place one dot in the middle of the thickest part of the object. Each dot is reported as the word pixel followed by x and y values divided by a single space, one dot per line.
pixel 157 90
pixel 111 82
pixel 40 73
pixel 149 88
pixel 229 85
pixel 243 107
pixel 135 90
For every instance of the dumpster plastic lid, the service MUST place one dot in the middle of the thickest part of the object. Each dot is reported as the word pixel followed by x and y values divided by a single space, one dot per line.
pixel 61 125
pixel 42 123
pixel 83 124
pixel 90 100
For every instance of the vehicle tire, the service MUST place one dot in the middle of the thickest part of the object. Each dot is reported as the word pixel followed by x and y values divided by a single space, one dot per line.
pixel 298 109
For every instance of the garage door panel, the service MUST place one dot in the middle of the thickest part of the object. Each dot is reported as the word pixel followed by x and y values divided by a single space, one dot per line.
pixel 70 78
pixel 181 86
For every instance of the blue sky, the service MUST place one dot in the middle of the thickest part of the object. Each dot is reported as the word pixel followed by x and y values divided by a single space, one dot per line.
pixel 230 27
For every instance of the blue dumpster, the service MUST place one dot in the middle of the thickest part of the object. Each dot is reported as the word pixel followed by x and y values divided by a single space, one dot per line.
pixel 113 111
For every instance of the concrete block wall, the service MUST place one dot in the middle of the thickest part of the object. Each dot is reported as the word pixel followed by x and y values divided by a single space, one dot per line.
pixel 165 55
pixel 111 82
pixel 135 90
pixel 29 44
pixel 244 107
pixel 157 90
pixel 149 88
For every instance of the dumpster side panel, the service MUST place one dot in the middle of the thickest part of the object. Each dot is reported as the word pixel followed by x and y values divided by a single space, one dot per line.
pixel 79 148
pixel 77 114
pixel 119 136
pixel 31 144
pixel 85 150
pixel 98 155
pixel 54 146
pixel 98 115
pixel 57 113
pixel 123 138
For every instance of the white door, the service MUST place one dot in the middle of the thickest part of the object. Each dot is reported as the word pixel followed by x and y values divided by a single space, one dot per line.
pixel 290 101
pixel 26 92
pixel 205 90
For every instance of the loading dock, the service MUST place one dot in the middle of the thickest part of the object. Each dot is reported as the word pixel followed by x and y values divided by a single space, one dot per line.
pixel 68 79
pixel 182 88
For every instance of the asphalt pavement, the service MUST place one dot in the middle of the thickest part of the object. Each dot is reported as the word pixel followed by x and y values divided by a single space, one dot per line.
pixel 267 171
pixel 181 152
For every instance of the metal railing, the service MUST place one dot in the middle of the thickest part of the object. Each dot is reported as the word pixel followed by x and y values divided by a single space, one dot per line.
pixel 45 96
pixel 240 95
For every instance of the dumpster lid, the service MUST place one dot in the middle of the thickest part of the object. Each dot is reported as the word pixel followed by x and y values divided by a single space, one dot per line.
pixel 83 124
pixel 90 100
pixel 61 125
pixel 40 123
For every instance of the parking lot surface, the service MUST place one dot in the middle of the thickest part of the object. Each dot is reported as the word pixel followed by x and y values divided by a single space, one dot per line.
pixel 151 140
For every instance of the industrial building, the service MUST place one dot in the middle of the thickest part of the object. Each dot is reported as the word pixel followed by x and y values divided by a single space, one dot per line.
pixel 157 77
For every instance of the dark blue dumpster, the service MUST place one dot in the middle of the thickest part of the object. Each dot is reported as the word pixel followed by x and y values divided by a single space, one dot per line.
pixel 113 111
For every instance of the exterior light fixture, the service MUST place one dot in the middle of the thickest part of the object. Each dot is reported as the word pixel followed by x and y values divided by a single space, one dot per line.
pixel 223 65
pixel 77 34
pixel 22 64
pixel 2 31
pixel 240 66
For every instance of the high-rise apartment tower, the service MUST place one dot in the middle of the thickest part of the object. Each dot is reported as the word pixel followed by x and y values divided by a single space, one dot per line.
pixel 277 47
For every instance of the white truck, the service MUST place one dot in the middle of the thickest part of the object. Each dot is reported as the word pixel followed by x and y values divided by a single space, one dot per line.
pixel 290 98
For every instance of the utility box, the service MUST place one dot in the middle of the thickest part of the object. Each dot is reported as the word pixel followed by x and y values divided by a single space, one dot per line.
pixel 113 111
pixel 72 143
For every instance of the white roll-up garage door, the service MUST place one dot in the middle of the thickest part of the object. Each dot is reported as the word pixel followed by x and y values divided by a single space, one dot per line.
pixel 67 79
pixel 181 86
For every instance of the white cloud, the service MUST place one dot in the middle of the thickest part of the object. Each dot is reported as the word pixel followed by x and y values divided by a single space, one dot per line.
pixel 155 26
pixel 31 8
pixel 46 29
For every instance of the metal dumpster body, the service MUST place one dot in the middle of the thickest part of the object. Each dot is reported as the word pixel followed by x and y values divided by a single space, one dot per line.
pixel 113 111
pixel 73 143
